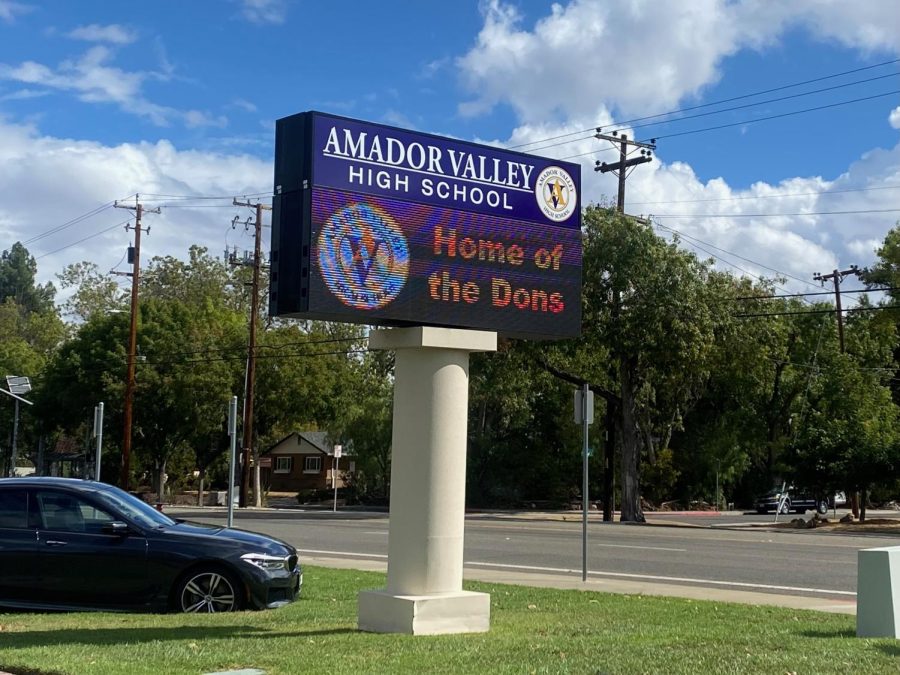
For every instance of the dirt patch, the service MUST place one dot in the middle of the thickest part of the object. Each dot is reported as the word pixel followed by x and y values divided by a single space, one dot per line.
pixel 870 526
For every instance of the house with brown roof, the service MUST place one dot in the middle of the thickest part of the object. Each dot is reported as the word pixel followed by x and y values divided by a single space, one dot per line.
pixel 304 460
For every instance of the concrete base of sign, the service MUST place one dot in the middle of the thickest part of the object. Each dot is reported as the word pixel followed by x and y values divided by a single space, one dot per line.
pixel 428 486
pixel 878 592
pixel 437 614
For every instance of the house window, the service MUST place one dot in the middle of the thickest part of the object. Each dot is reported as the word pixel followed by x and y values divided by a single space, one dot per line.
pixel 283 464
pixel 312 464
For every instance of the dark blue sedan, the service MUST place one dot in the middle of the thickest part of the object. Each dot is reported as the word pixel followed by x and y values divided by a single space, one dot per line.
pixel 73 544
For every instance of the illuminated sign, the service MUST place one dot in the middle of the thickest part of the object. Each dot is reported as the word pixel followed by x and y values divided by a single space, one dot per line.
pixel 378 225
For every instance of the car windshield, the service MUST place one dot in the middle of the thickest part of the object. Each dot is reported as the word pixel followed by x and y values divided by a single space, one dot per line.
pixel 138 511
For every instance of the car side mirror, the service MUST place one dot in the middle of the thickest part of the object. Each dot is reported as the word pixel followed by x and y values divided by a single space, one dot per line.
pixel 116 527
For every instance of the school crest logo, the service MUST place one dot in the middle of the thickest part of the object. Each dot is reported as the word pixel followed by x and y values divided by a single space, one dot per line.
pixel 363 256
pixel 555 193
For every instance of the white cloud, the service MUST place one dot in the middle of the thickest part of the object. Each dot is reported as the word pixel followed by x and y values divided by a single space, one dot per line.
pixel 23 94
pixel 741 229
pixel 113 33
pixel 93 79
pixel 894 117
pixel 264 11
pixel 10 10
pixel 244 104
pixel 47 181
pixel 642 57
pixel 199 118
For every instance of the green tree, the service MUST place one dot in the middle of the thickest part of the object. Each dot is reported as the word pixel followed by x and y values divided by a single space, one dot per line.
pixel 93 292
pixel 18 269
pixel 849 439
pixel 656 310
pixel 366 423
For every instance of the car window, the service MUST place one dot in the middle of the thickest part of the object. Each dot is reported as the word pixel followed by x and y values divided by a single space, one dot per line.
pixel 138 511
pixel 13 508
pixel 70 513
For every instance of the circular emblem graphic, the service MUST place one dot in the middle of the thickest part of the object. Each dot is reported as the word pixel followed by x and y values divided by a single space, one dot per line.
pixel 555 193
pixel 363 256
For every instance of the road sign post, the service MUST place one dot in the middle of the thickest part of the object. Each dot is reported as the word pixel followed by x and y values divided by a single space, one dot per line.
pixel 338 449
pixel 16 385
pixel 584 415
pixel 98 434
pixel 232 432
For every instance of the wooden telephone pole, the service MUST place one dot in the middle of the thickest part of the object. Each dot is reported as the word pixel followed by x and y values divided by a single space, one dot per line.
pixel 620 169
pixel 837 276
pixel 139 211
pixel 251 350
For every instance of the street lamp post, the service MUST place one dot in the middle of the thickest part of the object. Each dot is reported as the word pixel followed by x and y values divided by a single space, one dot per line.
pixel 16 386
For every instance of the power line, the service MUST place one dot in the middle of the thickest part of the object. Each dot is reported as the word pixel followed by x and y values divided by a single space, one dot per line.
pixel 84 239
pixel 243 357
pixel 771 215
pixel 69 223
pixel 821 193
pixel 764 102
pixel 267 193
pixel 207 350
pixel 780 115
pixel 719 126
pixel 625 123
pixel 803 295
pixel 752 262
pixel 818 311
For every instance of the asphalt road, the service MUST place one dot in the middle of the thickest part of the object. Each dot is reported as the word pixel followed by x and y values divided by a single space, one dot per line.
pixel 734 557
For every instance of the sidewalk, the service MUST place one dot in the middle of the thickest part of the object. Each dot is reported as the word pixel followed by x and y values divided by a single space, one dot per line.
pixel 600 584
pixel 571 579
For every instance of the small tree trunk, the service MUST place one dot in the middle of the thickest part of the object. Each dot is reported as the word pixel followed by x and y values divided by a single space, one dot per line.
pixel 257 484
pixel 200 487
pixel 161 481
pixel 631 491
pixel 863 498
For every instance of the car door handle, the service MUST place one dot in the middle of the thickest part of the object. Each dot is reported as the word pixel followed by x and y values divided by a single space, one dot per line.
pixel 54 542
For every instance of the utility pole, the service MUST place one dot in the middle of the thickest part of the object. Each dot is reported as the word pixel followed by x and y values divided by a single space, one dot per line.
pixel 139 212
pixel 251 351
pixel 620 169
pixel 837 276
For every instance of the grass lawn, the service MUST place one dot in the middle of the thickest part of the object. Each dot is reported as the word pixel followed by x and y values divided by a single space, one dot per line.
pixel 533 630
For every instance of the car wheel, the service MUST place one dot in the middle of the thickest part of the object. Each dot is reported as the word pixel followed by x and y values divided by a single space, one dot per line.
pixel 786 506
pixel 208 590
pixel 822 507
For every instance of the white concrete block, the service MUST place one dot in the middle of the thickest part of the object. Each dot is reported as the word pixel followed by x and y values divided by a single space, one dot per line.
pixel 433 338
pixel 435 614
pixel 878 592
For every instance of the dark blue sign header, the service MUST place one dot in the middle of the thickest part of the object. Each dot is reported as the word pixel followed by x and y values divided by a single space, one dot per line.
pixel 385 161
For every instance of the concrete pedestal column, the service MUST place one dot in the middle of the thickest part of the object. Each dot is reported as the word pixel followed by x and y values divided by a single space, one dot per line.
pixel 878 592
pixel 424 593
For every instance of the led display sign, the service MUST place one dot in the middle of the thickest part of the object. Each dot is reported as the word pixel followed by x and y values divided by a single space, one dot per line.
pixel 377 225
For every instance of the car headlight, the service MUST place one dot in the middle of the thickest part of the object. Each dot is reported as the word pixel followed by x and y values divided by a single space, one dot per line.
pixel 266 561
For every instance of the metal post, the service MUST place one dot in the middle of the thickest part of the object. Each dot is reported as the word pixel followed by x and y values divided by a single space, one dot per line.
pixel 334 482
pixel 584 484
pixel 780 502
pixel 717 485
pixel 12 454
pixel 98 428
pixel 132 352
pixel 251 359
pixel 232 432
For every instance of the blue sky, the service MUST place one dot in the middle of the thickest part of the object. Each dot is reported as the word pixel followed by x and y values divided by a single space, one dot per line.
pixel 99 100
